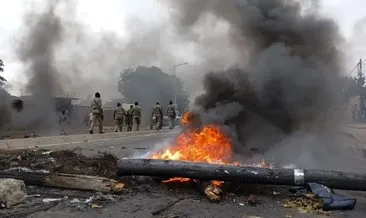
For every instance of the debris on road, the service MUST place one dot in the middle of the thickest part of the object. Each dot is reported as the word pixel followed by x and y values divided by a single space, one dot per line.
pixel 329 200
pixel 51 200
pixel 12 192
pixel 75 201
pixel 307 204
pixel 96 206
pixel 65 161
pixel 66 181
pixel 213 192
pixel 276 193
pixel 252 200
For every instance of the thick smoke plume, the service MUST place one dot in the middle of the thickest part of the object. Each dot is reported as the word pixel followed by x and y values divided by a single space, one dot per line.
pixel 287 73
pixel 37 51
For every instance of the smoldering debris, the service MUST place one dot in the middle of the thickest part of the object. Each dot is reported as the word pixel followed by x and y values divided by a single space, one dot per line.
pixel 65 161
pixel 289 71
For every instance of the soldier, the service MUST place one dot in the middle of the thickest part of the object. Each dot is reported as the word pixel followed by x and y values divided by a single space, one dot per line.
pixel 170 111
pixel 157 115
pixel 97 111
pixel 136 112
pixel 62 122
pixel 118 116
pixel 129 118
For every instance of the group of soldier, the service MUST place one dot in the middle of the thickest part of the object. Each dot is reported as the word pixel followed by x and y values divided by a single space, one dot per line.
pixel 131 117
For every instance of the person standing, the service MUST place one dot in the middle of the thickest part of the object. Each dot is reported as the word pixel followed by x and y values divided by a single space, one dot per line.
pixel 118 115
pixel 97 111
pixel 170 111
pixel 136 112
pixel 157 115
pixel 62 122
pixel 129 118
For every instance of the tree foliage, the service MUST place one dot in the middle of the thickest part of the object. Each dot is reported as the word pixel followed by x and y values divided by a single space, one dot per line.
pixel 2 79
pixel 149 85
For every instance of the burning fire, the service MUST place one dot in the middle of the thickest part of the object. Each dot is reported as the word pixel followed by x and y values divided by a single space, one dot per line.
pixel 186 118
pixel 206 145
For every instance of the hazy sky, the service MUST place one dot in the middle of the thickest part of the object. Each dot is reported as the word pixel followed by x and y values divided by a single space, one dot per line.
pixel 110 15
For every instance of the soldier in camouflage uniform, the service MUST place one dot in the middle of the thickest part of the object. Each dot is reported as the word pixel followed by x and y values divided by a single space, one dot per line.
pixel 118 115
pixel 97 111
pixel 170 111
pixel 157 115
pixel 136 112
pixel 129 119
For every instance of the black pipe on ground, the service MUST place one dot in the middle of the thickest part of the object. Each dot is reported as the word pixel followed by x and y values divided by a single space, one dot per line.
pixel 234 173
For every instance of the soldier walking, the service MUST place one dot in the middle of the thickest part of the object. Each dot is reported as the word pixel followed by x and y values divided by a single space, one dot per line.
pixel 118 115
pixel 136 112
pixel 157 115
pixel 129 118
pixel 170 111
pixel 97 111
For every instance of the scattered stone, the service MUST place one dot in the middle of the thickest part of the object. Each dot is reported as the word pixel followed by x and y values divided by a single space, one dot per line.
pixel 96 206
pixel 276 193
pixel 75 201
pixel 12 192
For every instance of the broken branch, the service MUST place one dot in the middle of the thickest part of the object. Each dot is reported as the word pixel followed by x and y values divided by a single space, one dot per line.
pixel 66 181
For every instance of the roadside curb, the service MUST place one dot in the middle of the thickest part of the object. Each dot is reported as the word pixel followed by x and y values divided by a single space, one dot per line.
pixel 355 127
pixel 49 141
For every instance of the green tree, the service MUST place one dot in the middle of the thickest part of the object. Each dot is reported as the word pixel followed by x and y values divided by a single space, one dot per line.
pixel 2 79
pixel 149 85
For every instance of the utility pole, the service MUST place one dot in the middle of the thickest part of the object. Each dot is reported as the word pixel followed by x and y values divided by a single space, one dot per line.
pixel 360 75
pixel 360 67
pixel 175 85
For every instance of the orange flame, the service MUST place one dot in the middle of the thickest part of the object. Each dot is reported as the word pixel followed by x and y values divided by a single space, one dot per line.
pixel 207 145
pixel 186 118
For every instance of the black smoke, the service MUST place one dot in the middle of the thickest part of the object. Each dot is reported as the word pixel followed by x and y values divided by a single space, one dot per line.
pixel 37 51
pixel 287 79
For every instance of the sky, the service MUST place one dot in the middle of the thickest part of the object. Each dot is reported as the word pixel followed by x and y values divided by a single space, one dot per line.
pixel 110 15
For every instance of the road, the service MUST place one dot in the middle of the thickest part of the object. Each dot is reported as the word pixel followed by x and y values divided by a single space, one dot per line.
pixel 148 196
pixel 124 146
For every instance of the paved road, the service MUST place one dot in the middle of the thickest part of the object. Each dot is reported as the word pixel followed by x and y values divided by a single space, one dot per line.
pixel 123 146
pixel 140 201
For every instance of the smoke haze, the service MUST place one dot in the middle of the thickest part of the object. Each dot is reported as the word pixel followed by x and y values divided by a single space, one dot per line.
pixel 274 64
pixel 63 57
pixel 283 83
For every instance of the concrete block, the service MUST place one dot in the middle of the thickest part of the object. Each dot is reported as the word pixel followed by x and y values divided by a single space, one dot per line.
pixel 12 192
